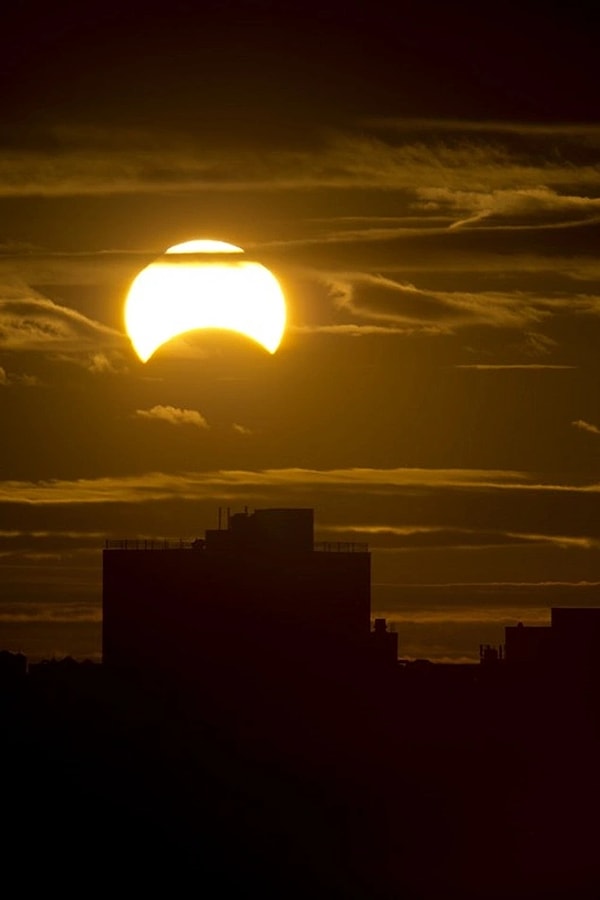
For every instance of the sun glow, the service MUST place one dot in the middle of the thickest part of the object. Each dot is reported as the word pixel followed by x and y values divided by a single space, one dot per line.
pixel 169 298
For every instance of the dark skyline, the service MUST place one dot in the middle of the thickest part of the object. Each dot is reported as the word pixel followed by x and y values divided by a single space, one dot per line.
pixel 425 184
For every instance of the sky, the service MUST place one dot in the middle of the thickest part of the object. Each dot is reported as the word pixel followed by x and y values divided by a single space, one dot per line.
pixel 424 182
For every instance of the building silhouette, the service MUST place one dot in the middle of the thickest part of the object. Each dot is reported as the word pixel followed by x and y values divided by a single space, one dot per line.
pixel 256 598
pixel 571 643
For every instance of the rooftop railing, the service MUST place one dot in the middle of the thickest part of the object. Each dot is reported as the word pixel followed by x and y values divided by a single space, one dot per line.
pixel 151 544
pixel 175 544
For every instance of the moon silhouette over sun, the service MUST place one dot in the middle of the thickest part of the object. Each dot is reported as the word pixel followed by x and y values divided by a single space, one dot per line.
pixel 203 284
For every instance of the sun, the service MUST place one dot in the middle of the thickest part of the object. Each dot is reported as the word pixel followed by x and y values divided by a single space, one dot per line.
pixel 203 284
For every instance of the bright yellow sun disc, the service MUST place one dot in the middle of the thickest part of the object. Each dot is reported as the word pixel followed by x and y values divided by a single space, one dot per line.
pixel 170 298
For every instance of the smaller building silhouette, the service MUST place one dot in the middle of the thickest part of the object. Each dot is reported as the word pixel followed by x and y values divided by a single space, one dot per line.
pixel 384 644
pixel 570 644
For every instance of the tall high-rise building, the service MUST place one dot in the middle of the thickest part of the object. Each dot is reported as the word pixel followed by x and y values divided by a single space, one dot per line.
pixel 256 596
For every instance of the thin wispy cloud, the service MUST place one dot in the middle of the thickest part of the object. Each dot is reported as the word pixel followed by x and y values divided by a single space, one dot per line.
pixel 501 615
pixel 589 132
pixel 29 321
pixel 44 533
pixel 508 366
pixel 173 415
pixel 241 429
pixel 158 486
pixel 586 426
pixel 353 329
pixel 30 613
pixel 538 206
pixel 390 538
pixel 563 541
pixel 100 362
pixel 8 379
pixel 390 303
pixel 85 165
pixel 489 586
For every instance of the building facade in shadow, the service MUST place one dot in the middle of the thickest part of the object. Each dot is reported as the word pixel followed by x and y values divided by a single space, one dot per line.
pixel 257 597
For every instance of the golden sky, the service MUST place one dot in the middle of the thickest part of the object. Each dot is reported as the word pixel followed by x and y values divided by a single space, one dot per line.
pixel 426 188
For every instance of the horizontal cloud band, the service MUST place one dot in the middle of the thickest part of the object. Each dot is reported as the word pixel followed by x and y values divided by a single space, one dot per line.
pixel 154 486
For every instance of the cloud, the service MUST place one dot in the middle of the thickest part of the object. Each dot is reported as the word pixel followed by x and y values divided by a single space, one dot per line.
pixel 588 132
pixel 98 363
pixel 29 321
pixel 534 344
pixel 524 366
pixel 174 416
pixel 398 538
pixel 405 308
pixel 586 426
pixel 30 613
pixel 193 486
pixel 559 540
pixel 241 429
pixel 537 206
pixel 502 615
pixel 8 379
pixel 87 164
pixel 353 329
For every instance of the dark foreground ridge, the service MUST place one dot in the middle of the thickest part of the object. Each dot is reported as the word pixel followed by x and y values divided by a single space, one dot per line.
pixel 298 769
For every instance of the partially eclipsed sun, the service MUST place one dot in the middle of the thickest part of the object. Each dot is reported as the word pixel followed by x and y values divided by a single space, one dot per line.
pixel 195 288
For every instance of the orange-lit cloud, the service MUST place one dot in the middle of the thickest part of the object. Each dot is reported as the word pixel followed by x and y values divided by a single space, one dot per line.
pixel 397 538
pixel 586 426
pixel 173 416
pixel 37 613
pixel 11 378
pixel 589 131
pixel 196 485
pixel 85 164
pixel 29 321
pixel 404 306
pixel 101 363
pixel 525 207
pixel 499 367
pixel 500 615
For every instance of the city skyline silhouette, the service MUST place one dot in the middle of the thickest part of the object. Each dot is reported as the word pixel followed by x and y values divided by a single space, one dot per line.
pixel 237 728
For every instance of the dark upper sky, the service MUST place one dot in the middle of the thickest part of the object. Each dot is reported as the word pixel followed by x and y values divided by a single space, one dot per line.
pixel 285 66
pixel 425 183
